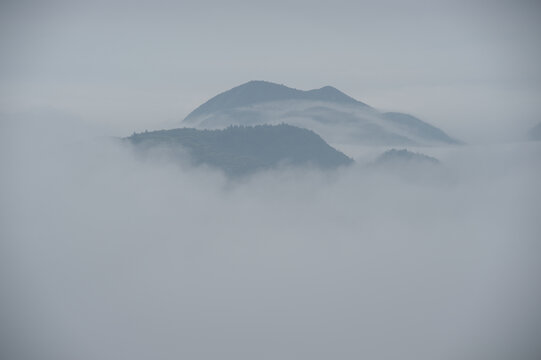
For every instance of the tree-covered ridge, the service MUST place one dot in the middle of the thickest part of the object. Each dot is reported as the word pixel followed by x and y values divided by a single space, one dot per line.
pixel 394 156
pixel 239 150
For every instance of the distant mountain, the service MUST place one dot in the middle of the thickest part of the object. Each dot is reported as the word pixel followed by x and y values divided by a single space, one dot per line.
pixel 336 116
pixel 535 133
pixel 412 167
pixel 255 92
pixel 418 127
pixel 404 157
pixel 241 150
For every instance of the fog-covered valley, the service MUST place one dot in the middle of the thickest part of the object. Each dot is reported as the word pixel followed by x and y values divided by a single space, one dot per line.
pixel 107 255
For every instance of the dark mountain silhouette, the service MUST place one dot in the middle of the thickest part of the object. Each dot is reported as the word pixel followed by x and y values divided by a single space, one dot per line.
pixel 338 117
pixel 255 92
pixel 535 133
pixel 404 157
pixel 241 150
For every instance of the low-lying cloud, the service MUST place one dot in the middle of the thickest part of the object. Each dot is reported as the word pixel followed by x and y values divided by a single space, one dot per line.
pixel 107 256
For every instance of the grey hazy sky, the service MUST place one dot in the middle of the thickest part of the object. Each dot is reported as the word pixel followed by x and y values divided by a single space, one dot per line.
pixel 470 67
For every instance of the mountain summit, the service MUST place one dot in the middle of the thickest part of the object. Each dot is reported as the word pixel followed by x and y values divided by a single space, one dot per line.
pixel 535 133
pixel 337 117
pixel 256 91
pixel 243 150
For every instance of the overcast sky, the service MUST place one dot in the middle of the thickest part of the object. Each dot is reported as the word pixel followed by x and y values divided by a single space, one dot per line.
pixel 469 67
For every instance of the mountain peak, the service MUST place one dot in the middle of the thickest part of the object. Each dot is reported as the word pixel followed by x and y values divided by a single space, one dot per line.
pixel 535 133
pixel 243 150
pixel 338 117
pixel 259 91
pixel 404 155
pixel 329 93
pixel 259 84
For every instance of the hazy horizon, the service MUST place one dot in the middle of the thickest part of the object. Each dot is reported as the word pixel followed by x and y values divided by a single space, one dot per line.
pixel 468 67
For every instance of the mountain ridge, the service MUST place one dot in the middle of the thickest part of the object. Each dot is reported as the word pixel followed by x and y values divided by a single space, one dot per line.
pixel 404 156
pixel 243 150
pixel 259 91
pixel 336 116
pixel 534 134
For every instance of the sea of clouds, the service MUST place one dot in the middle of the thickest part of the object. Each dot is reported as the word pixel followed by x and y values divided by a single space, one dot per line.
pixel 108 256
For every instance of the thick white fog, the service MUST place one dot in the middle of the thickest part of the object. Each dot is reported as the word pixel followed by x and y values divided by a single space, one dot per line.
pixel 107 256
